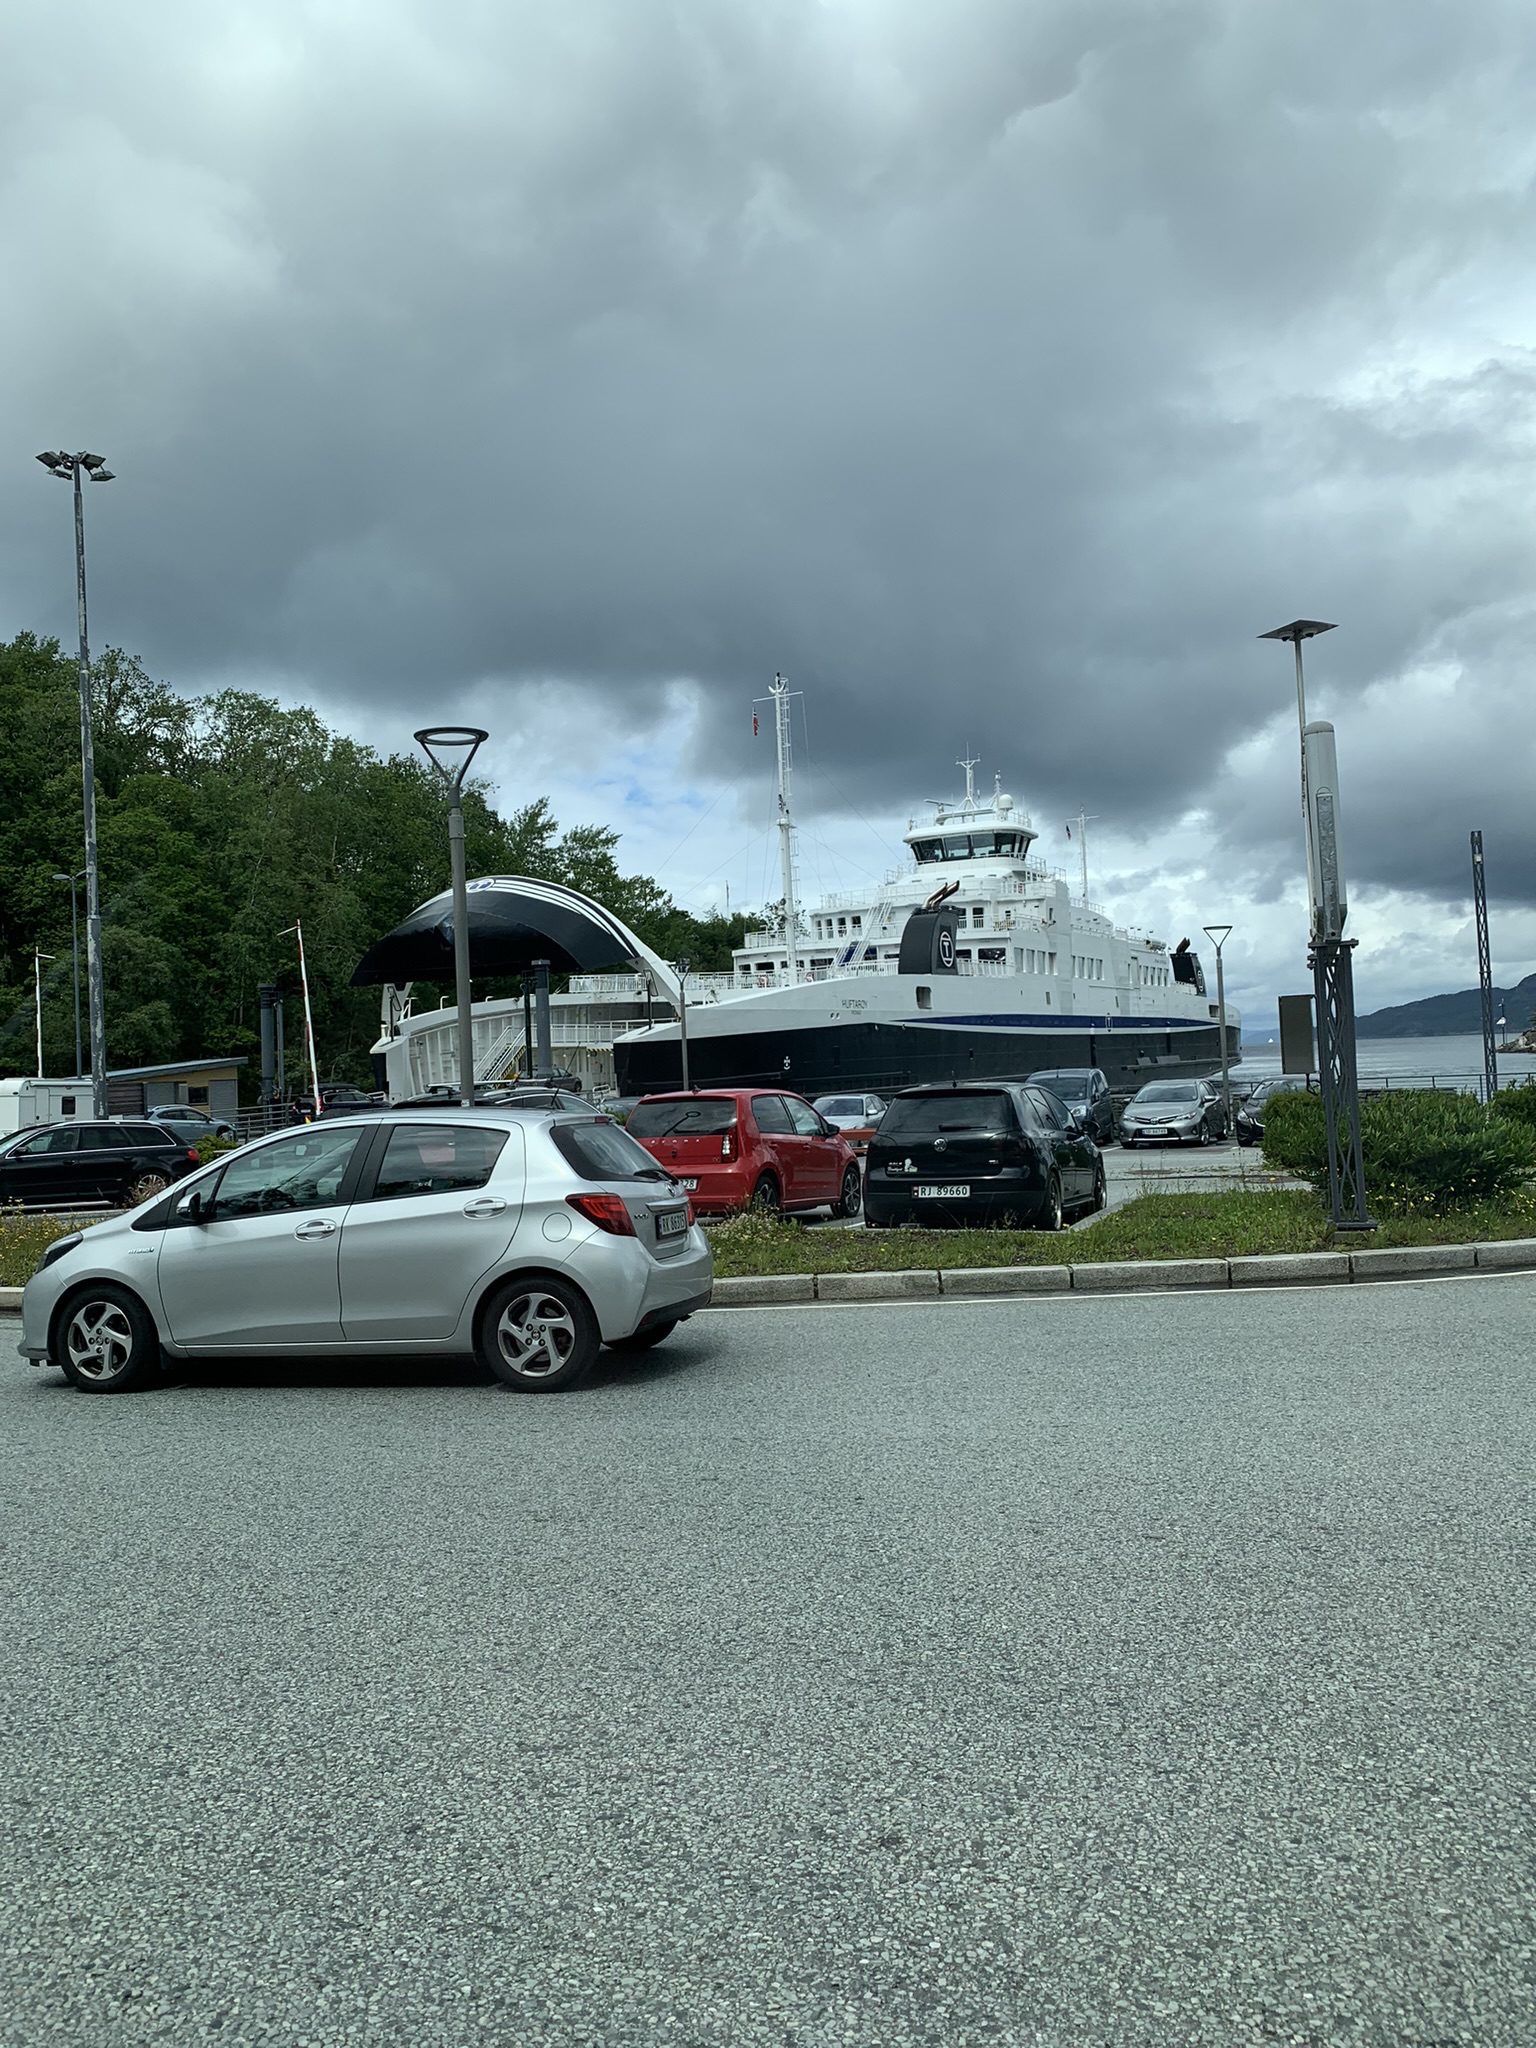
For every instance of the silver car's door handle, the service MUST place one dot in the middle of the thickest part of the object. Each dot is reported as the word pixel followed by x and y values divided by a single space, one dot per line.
pixel 321 1226
pixel 485 1205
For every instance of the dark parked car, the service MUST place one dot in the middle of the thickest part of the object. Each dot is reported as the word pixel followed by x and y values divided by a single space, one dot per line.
pixel 1250 1115
pixel 1086 1090
pixel 189 1124
pixel 999 1152
pixel 120 1161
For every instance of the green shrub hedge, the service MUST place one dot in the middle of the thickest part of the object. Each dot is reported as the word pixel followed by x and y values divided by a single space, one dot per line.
pixel 1423 1148
pixel 1518 1104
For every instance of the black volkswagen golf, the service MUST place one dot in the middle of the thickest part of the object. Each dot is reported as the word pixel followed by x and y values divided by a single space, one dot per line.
pixel 983 1152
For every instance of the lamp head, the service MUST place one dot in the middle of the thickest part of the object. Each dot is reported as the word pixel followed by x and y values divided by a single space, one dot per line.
pixel 450 749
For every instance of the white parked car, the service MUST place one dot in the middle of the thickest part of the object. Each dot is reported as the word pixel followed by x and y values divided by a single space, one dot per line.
pixel 526 1238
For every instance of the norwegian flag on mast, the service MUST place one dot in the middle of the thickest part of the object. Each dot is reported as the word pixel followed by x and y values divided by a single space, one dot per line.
pixel 754 725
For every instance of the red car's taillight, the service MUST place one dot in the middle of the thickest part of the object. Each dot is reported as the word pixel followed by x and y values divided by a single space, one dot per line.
pixel 725 1146
pixel 606 1211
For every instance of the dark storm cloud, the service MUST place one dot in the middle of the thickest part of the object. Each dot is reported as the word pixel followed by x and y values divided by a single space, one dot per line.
pixel 998 371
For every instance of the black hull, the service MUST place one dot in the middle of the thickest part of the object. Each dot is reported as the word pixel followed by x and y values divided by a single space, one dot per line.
pixel 825 1059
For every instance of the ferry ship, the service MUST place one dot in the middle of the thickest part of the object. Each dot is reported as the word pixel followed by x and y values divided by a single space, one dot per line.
pixel 973 960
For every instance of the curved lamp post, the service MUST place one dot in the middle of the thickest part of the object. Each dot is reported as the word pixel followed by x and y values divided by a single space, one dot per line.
pixel 70 469
pixel 450 749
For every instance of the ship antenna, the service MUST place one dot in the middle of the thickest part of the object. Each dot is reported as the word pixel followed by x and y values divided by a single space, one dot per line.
pixel 779 696
pixel 970 767
pixel 1084 820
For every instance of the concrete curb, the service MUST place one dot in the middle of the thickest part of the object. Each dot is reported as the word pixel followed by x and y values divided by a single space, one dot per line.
pixel 960 1283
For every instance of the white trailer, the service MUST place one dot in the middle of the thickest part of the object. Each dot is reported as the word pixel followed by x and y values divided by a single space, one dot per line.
pixel 26 1102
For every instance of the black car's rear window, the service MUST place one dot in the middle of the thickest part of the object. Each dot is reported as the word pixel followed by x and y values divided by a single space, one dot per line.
pixel 924 1116
pixel 704 1116
pixel 601 1151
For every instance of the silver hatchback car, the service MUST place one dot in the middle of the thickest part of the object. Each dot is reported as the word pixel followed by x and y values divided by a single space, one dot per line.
pixel 525 1238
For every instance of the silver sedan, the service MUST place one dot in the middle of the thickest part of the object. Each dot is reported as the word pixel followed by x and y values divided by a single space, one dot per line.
pixel 525 1238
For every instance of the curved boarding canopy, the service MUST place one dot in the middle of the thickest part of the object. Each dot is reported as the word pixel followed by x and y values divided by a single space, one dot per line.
pixel 513 922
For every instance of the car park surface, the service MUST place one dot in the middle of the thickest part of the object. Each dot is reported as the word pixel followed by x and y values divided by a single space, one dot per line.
pixel 984 1152
pixel 525 1238
pixel 734 1148
pixel 1096 1673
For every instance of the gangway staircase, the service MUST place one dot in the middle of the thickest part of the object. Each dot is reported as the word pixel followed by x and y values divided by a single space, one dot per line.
pixel 851 953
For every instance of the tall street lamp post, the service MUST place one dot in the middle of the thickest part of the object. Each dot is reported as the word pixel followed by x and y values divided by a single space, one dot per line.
pixel 70 469
pixel 450 749
pixel 1218 934
pixel 1330 953
pixel 74 946
pixel 1297 631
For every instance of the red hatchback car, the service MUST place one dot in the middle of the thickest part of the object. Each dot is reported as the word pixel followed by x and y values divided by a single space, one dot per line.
pixel 734 1148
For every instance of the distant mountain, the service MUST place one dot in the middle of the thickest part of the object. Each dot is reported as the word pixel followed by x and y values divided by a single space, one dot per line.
pixel 1445 1016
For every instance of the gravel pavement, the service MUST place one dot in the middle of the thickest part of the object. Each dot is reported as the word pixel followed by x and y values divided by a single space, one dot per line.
pixel 1106 1673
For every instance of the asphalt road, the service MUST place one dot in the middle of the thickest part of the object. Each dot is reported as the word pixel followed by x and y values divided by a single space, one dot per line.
pixel 1110 1673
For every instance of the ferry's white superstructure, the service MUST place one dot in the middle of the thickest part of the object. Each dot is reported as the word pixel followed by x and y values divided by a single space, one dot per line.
pixel 973 959
pixel 1020 974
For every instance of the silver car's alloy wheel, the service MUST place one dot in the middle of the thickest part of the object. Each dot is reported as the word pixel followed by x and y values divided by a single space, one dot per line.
pixel 98 1340
pixel 106 1341
pixel 535 1334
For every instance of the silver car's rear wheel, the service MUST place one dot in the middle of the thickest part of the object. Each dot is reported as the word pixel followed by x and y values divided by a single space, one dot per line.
pixel 539 1335
pixel 106 1342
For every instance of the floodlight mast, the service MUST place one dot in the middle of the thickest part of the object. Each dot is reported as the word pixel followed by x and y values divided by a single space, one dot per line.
pixel 450 749
pixel 70 469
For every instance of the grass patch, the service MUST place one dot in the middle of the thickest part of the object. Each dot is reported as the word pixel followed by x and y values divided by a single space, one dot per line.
pixel 1243 1223
pixel 23 1240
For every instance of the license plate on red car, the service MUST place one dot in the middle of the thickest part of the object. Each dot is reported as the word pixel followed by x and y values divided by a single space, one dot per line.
pixel 690 1187
pixel 944 1191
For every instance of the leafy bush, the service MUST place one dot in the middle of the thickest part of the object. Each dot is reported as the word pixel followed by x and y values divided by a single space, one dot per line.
pixel 1518 1104
pixel 1295 1136
pixel 1424 1149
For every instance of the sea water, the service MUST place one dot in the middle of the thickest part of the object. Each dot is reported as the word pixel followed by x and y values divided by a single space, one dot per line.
pixel 1451 1062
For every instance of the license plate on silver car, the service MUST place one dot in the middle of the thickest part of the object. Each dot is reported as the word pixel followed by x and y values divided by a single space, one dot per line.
pixel 672 1223
pixel 947 1191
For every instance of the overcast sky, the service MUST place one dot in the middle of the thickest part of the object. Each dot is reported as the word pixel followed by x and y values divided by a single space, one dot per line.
pixel 999 370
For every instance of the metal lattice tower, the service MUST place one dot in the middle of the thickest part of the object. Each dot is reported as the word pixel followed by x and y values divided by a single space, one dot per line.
pixel 1333 981
pixel 1484 970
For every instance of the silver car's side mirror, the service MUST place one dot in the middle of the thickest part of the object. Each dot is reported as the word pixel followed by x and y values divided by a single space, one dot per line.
pixel 191 1208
